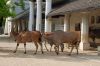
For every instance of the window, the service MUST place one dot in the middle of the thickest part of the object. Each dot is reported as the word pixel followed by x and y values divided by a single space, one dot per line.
pixel 77 27
pixel 92 19
pixel 98 19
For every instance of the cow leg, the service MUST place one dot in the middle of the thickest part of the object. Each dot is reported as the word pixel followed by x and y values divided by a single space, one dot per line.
pixel 36 47
pixel 51 47
pixel 46 46
pixel 62 47
pixel 77 49
pixel 41 47
pixel 68 46
pixel 56 49
pixel 16 47
pixel 25 48
pixel 71 50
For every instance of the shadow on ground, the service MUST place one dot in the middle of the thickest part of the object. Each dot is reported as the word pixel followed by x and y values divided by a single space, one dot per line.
pixel 83 56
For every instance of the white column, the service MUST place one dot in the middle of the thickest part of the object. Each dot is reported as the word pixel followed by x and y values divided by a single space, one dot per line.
pixel 66 22
pixel 8 25
pixel 47 21
pixel 39 15
pixel 31 16
pixel 84 44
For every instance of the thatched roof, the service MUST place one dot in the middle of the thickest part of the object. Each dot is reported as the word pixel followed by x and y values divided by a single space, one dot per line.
pixel 78 5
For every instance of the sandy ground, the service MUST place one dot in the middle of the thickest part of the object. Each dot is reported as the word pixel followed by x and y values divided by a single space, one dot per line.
pixel 8 58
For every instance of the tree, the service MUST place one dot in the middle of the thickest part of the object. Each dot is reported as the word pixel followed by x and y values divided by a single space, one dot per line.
pixel 4 8
pixel 7 9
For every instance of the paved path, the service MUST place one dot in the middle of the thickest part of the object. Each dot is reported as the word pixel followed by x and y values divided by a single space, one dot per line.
pixel 8 58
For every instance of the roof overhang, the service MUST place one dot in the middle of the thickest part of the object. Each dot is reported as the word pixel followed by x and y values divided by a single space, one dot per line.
pixel 18 16
pixel 75 6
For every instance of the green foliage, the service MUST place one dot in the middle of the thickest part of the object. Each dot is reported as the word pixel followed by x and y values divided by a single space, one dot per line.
pixel 4 9
pixel 9 10
pixel 21 4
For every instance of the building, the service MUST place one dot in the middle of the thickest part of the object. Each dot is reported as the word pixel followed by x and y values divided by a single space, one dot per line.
pixel 83 13
pixel 18 10
pixel 36 8
pixel 67 15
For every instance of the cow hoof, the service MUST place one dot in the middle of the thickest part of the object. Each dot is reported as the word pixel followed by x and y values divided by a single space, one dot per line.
pixel 24 52
pixel 35 53
pixel 42 52
pixel 47 50
pixel 69 54
pixel 14 52
pixel 57 53
pixel 61 50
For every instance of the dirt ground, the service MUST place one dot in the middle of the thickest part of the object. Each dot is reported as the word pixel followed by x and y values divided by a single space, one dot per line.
pixel 8 58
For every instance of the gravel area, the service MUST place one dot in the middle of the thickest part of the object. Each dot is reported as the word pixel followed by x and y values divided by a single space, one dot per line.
pixel 8 58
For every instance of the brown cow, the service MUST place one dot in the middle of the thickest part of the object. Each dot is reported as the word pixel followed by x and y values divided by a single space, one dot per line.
pixel 60 37
pixel 27 36
pixel 46 38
